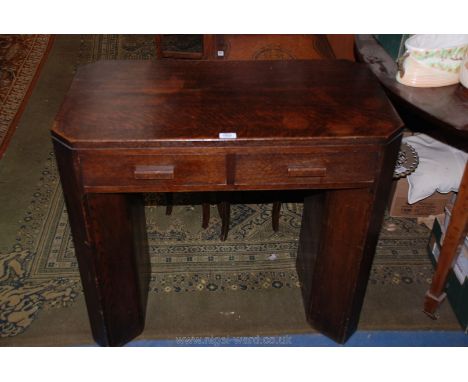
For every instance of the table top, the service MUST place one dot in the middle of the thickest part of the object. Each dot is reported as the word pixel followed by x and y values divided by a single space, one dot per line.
pixel 141 104
pixel 446 106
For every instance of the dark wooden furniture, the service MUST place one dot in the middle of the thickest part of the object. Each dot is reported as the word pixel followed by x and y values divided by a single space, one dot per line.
pixel 442 113
pixel 131 127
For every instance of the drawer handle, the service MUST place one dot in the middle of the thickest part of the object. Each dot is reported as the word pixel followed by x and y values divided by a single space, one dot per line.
pixel 298 171
pixel 154 172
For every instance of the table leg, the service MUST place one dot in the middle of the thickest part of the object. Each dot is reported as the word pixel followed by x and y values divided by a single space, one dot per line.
pixel 110 240
pixel 338 237
pixel 334 262
pixel 120 264
pixel 454 237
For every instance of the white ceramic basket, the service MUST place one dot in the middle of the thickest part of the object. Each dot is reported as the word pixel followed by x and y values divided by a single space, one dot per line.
pixel 432 60
pixel 464 72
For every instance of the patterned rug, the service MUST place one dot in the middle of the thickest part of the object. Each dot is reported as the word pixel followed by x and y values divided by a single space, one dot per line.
pixel 21 58
pixel 40 271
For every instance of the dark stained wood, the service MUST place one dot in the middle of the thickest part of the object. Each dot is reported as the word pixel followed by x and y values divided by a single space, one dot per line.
pixel 296 129
pixel 169 202
pixel 182 55
pixel 117 257
pixel 275 215
pixel 154 172
pixel 68 167
pixel 109 233
pixel 307 168
pixel 187 169
pixel 335 275
pixel 336 251
pixel 209 46
pixel 442 113
pixel 224 209
pixel 254 168
pixel 342 45
pixel 309 241
pixel 205 215
pixel 159 50
pixel 173 103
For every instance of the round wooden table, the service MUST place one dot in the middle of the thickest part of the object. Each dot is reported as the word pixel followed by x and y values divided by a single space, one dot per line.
pixel 442 113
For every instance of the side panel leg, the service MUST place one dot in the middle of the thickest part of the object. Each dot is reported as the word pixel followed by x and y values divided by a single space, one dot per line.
pixel 339 234
pixel 109 234
pixel 121 264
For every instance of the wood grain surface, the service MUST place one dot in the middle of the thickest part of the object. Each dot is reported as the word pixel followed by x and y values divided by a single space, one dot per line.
pixel 164 103
pixel 132 127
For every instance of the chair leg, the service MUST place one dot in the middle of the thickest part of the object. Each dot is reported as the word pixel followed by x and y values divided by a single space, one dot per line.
pixel 169 202
pixel 205 206
pixel 275 214
pixel 206 215
pixel 224 209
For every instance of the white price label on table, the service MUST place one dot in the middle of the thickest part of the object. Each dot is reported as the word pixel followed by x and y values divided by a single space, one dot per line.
pixel 227 135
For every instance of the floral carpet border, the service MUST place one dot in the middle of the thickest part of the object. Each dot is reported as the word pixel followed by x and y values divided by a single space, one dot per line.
pixel 21 61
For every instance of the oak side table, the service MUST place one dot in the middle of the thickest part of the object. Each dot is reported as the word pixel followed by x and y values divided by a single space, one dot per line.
pixel 128 127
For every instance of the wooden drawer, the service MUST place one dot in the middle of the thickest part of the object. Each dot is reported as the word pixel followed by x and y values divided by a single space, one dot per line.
pixel 314 168
pixel 162 171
